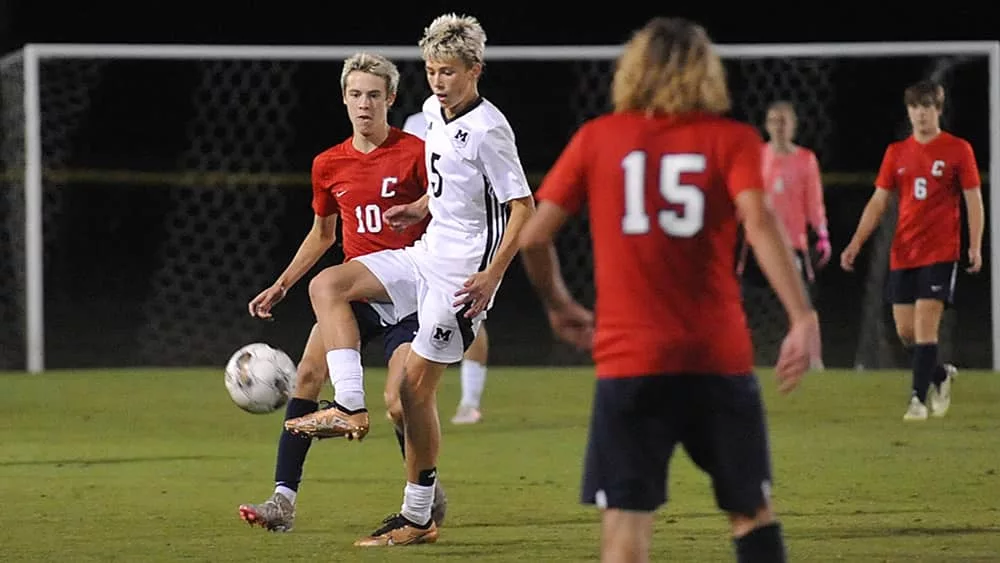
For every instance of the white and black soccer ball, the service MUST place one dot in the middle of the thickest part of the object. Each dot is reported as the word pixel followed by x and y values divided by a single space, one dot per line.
pixel 260 378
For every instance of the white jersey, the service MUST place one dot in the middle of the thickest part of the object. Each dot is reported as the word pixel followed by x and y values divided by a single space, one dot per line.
pixel 473 170
pixel 415 124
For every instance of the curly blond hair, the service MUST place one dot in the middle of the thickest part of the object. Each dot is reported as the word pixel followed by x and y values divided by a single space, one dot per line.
pixel 670 66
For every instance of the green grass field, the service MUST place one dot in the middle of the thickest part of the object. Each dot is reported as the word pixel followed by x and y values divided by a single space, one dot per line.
pixel 151 465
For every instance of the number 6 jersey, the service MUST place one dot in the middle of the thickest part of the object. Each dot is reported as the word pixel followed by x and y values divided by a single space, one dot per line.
pixel 360 187
pixel 929 179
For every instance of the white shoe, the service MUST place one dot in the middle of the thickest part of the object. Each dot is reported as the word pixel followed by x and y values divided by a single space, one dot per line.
pixel 466 415
pixel 939 396
pixel 916 410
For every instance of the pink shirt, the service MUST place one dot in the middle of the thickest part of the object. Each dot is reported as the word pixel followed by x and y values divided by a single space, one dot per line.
pixel 795 192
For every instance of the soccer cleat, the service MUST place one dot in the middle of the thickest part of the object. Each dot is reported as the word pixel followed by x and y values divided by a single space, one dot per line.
pixel 331 422
pixel 916 410
pixel 440 505
pixel 397 530
pixel 939 394
pixel 466 415
pixel 276 514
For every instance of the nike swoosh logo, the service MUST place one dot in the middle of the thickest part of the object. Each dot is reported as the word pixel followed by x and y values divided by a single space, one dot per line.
pixel 340 193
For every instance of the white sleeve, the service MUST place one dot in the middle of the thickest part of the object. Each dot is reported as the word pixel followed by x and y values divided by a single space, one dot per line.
pixel 416 125
pixel 502 165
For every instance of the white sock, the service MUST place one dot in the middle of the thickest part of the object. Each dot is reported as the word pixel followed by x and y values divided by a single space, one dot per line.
pixel 473 382
pixel 286 492
pixel 347 377
pixel 417 501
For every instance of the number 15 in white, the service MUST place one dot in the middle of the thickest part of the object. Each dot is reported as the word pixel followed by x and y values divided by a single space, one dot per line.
pixel 690 198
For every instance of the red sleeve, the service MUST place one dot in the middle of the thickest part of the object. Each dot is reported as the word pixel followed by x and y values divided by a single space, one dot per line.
pixel 887 171
pixel 323 202
pixel 968 170
pixel 743 167
pixel 565 185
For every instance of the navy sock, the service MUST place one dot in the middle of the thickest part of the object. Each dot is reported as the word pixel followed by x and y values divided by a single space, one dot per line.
pixel 925 361
pixel 401 438
pixel 761 545
pixel 292 449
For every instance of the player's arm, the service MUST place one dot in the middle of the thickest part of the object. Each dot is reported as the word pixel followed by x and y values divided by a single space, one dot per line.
pixel 562 193
pixel 968 177
pixel 400 217
pixel 317 241
pixel 874 209
pixel 816 210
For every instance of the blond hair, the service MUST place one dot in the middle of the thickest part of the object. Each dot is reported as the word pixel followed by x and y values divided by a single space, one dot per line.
pixel 454 37
pixel 670 66
pixel 376 65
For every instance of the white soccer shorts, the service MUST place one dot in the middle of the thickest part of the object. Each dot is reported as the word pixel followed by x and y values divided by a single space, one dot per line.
pixel 416 281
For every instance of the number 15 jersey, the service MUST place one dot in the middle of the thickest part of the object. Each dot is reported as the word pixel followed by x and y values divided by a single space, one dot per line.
pixel 473 169
pixel 660 192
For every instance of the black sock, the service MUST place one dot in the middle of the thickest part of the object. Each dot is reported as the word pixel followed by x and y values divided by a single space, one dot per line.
pixel 401 438
pixel 292 448
pixel 427 477
pixel 925 358
pixel 939 375
pixel 761 545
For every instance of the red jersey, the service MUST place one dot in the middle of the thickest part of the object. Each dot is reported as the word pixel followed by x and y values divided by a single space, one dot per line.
pixel 359 187
pixel 929 180
pixel 660 193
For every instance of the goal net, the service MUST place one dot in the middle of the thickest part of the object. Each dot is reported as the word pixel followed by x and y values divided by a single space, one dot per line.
pixel 174 185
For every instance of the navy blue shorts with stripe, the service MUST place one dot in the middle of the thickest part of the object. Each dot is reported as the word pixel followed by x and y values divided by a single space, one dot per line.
pixel 370 326
pixel 636 423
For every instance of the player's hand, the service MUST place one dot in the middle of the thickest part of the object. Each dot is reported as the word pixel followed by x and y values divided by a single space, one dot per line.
pixel 399 217
pixel 800 345
pixel 477 292
pixel 261 305
pixel 975 261
pixel 847 258
pixel 574 324
pixel 824 250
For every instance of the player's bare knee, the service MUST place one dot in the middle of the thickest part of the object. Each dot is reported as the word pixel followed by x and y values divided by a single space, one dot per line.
pixel 743 524
pixel 331 285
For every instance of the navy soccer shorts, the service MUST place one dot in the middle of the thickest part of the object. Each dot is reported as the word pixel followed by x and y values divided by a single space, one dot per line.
pixel 637 421
pixel 370 326
pixel 934 281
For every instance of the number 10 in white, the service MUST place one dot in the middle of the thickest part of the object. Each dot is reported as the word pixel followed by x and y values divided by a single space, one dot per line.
pixel 369 218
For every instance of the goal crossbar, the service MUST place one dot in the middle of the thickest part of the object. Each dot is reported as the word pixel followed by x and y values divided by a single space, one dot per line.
pixel 30 55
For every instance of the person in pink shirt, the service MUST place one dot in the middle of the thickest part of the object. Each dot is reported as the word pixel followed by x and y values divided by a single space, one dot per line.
pixel 795 192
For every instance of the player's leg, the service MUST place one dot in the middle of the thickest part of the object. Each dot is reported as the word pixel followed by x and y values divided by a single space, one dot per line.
pixel 473 376
pixel 808 271
pixel 331 292
pixel 397 348
pixel 903 294
pixel 631 438
pixel 381 276
pixel 278 512
pixel 443 336
pixel 935 291
pixel 728 440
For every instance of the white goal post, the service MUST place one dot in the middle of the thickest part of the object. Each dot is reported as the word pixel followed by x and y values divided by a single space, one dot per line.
pixel 30 56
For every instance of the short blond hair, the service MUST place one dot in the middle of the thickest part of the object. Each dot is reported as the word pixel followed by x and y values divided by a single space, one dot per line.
pixel 670 66
pixel 373 64
pixel 454 37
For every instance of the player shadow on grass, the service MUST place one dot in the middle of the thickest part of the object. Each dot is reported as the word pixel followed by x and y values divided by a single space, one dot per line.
pixel 110 460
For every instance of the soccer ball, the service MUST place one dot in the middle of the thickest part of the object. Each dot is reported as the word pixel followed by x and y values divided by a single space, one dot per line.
pixel 260 378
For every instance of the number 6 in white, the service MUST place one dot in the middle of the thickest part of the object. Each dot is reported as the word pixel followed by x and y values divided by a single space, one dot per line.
pixel 920 188
pixel 684 223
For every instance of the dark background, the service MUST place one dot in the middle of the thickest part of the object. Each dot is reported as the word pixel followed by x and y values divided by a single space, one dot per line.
pixel 109 241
